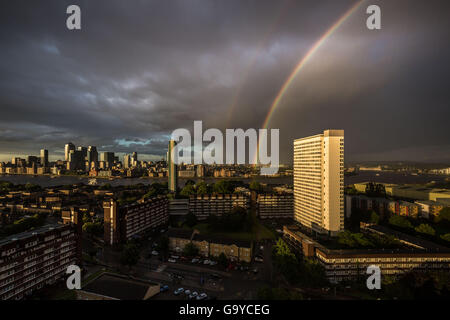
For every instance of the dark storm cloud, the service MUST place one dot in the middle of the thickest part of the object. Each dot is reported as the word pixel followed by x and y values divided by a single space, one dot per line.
pixel 139 69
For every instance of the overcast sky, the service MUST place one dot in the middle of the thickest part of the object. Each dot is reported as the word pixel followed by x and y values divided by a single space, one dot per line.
pixel 140 69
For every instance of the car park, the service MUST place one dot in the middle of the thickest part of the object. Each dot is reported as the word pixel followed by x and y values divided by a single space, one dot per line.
pixel 178 291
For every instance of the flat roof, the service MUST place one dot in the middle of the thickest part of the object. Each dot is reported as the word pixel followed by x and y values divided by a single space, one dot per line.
pixel 118 287
pixel 27 234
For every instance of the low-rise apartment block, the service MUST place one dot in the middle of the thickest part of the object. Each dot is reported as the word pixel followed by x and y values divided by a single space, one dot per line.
pixel 31 260
pixel 121 223
pixel 341 265
pixel 216 204
pixel 275 205
pixel 235 250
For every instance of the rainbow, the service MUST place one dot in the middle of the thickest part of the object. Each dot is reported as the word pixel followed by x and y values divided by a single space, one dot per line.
pixel 304 60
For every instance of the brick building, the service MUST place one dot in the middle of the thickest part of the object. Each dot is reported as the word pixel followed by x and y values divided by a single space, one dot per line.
pixel 121 223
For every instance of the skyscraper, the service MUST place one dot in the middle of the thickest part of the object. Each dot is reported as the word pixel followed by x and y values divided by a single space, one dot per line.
pixel 134 159
pixel 92 155
pixel 69 147
pixel 83 152
pixel 44 158
pixel 127 161
pixel 319 182
pixel 173 172
pixel 108 158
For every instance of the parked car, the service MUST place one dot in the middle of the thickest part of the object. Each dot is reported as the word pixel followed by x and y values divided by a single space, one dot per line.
pixel 259 259
pixel 213 263
pixel 255 271
pixel 175 257
pixel 206 261
pixel 171 260
pixel 202 296
pixel 164 288
pixel 195 260
pixel 193 295
pixel 155 253
pixel 187 292
pixel 162 231
pixel 178 291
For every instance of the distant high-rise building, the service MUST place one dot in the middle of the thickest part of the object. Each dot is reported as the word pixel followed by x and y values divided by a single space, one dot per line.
pixel 76 160
pixel 68 147
pixel 134 159
pixel 108 158
pixel 173 174
pixel 32 160
pixel 92 155
pixel 44 157
pixel 127 161
pixel 83 152
pixel 319 182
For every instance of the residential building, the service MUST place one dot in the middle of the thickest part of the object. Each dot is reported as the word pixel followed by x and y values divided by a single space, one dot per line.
pixel 276 205
pixel 31 260
pixel 216 204
pixel 121 223
pixel 319 182
pixel 172 167
pixel 351 264
pixel 209 246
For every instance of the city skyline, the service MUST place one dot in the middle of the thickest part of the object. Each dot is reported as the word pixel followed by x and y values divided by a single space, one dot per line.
pixel 225 64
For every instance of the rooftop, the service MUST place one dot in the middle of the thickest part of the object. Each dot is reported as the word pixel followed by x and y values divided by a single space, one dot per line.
pixel 27 234
pixel 119 287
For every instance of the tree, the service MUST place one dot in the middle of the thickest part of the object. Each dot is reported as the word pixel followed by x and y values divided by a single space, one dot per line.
pixel 190 250
pixel 222 260
pixel 187 190
pixel 400 222
pixel 130 255
pixel 374 217
pixel 444 216
pixel 425 229
pixel 446 237
pixel 255 186
pixel 202 188
pixel 223 186
pixel 191 219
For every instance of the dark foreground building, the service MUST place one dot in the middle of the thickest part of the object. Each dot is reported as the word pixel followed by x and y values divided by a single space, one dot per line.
pixel 31 260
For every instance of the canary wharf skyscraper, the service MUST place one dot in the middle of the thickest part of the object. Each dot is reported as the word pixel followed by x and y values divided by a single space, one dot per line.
pixel 319 182
pixel 173 172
